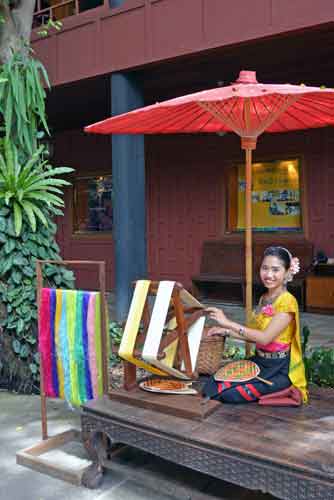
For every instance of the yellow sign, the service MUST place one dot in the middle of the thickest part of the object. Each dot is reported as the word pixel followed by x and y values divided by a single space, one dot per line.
pixel 275 195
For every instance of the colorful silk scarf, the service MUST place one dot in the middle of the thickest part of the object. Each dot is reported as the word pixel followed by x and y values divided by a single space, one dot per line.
pixel 70 344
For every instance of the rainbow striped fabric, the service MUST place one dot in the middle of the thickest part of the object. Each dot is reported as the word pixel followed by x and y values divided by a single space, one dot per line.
pixel 70 344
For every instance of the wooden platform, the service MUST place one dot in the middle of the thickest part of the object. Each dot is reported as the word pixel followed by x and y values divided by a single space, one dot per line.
pixel 288 452
pixel 186 406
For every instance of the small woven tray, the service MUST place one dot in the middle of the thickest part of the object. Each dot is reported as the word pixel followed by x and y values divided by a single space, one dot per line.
pixel 238 371
pixel 167 386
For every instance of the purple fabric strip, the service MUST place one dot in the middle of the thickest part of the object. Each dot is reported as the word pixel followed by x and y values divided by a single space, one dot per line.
pixel 88 375
pixel 54 368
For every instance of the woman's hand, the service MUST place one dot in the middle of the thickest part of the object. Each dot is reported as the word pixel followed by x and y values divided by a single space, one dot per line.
pixel 216 331
pixel 218 316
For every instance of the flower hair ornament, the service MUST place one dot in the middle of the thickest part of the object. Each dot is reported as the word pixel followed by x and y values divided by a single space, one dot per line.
pixel 294 265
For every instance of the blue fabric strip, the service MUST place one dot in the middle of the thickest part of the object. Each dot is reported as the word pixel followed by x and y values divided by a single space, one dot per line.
pixel 63 337
pixel 88 375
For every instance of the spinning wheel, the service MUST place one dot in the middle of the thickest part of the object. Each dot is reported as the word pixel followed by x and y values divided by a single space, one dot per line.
pixel 163 331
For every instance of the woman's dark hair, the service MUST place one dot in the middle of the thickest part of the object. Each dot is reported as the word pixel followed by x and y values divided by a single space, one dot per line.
pixel 281 253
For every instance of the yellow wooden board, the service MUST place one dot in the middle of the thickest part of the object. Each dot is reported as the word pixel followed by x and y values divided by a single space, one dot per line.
pixel 131 330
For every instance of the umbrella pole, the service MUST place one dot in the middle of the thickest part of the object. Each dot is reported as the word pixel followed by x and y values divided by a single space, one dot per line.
pixel 248 145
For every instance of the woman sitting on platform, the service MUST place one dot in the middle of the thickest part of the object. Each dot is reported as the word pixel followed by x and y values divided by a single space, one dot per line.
pixel 274 329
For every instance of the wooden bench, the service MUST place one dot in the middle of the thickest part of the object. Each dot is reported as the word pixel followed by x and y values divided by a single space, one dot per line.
pixel 287 452
pixel 222 270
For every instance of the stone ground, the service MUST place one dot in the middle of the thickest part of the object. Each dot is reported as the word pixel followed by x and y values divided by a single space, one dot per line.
pixel 136 475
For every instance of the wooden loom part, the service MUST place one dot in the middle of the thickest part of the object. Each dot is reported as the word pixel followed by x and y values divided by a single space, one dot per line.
pixel 178 311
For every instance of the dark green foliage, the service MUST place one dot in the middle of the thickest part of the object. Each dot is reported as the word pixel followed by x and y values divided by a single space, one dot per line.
pixel 233 352
pixel 30 196
pixel 22 101
pixel 18 345
pixel 116 332
pixel 306 332
pixel 319 365
pixel 319 362
pixel 27 187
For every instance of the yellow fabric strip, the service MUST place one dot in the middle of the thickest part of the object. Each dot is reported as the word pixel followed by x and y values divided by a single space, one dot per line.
pixel 132 327
pixel 70 319
pixel 60 369
pixel 297 368
pixel 287 303
pixel 98 344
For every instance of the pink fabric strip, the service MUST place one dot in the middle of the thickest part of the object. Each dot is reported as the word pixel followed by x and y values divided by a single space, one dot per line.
pixel 273 347
pixel 45 341
pixel 91 343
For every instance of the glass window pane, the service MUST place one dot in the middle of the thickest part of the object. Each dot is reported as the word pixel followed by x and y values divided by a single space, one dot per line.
pixel 93 204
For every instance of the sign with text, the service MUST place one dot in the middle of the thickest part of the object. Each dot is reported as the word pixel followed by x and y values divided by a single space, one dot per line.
pixel 275 196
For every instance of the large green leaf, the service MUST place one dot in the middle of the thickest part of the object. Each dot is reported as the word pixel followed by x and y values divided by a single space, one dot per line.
pixel 7 264
pixel 40 214
pixel 17 218
pixel 17 277
pixel 9 246
pixel 16 346
pixel 19 260
pixel 28 271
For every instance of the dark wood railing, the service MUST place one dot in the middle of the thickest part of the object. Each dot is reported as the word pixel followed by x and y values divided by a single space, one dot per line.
pixel 59 9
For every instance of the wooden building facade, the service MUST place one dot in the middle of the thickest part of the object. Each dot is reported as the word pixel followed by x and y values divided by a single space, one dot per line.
pixel 169 48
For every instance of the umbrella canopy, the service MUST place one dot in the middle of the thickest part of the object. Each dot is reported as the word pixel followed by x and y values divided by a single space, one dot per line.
pixel 245 107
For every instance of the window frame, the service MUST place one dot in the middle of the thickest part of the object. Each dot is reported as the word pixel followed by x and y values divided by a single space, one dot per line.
pixel 76 233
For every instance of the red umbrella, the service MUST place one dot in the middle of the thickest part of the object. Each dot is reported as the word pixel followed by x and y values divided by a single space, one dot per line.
pixel 245 107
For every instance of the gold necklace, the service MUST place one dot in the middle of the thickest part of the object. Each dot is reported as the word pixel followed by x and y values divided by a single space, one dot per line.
pixel 271 300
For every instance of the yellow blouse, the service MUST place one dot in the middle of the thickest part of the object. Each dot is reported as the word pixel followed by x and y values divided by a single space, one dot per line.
pixel 290 335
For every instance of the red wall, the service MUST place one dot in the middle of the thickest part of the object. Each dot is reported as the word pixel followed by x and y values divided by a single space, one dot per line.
pixel 104 40
pixel 186 196
pixel 89 155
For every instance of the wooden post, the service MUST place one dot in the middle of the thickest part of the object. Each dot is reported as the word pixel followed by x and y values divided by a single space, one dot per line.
pixel 129 376
pixel 248 144
pixel 181 327
pixel 39 280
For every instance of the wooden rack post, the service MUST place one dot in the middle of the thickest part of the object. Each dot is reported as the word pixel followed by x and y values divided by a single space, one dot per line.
pixel 102 286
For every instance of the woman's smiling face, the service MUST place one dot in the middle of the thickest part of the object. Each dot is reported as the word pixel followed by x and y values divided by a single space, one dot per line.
pixel 273 272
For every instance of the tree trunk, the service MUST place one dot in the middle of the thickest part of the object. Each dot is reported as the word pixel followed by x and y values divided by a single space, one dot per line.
pixel 15 30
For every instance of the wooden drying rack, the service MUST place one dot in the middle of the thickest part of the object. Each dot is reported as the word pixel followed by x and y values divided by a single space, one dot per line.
pixel 102 289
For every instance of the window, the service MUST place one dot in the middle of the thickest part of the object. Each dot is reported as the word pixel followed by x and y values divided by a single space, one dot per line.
pixel 59 9
pixel 275 196
pixel 93 204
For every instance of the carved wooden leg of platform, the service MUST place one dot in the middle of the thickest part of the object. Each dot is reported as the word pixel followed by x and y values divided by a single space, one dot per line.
pixel 95 444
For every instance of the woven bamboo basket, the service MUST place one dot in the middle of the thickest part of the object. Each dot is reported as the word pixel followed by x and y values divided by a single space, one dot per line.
pixel 210 354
